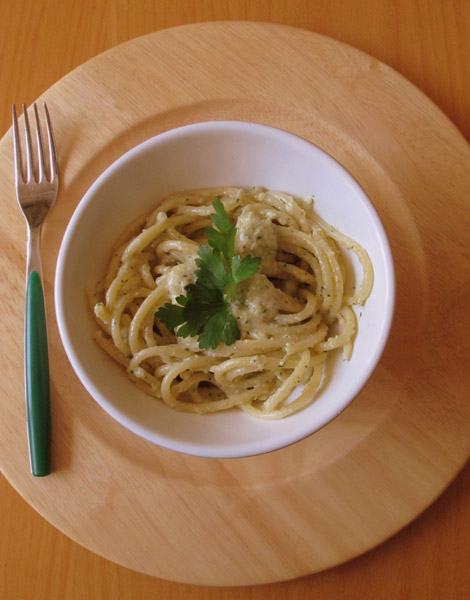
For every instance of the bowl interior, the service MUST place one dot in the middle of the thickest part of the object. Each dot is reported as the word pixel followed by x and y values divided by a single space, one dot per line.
pixel 205 155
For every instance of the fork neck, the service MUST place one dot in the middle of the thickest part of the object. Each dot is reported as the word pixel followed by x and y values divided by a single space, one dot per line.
pixel 33 252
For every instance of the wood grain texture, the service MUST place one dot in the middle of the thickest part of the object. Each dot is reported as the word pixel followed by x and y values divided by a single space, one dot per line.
pixel 388 572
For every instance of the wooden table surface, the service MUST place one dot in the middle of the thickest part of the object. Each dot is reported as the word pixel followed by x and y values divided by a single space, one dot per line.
pixel 426 41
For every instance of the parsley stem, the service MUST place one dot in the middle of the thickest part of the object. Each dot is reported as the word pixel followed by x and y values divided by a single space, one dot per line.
pixel 231 291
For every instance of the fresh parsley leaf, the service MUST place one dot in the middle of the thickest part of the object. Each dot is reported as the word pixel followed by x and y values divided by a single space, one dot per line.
pixel 205 310
pixel 172 314
pixel 221 239
pixel 221 219
pixel 244 268
pixel 221 327
pixel 202 304
pixel 212 272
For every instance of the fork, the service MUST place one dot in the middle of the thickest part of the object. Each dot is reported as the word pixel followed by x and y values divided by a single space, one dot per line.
pixel 36 190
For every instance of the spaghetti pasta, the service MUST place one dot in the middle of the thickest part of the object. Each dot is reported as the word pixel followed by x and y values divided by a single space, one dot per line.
pixel 291 314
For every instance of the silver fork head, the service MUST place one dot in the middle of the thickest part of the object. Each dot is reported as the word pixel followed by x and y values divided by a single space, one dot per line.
pixel 52 168
pixel 39 182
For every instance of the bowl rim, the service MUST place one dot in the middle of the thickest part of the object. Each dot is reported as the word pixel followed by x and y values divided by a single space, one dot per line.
pixel 200 449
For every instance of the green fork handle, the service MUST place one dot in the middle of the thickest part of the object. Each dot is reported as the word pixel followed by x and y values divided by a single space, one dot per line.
pixel 37 378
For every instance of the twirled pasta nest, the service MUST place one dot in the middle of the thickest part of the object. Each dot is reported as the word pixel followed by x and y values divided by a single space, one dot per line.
pixel 291 314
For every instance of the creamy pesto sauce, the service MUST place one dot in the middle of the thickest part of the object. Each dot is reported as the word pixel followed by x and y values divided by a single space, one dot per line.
pixel 256 236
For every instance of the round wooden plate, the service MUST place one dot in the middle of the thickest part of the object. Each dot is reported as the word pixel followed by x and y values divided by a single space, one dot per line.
pixel 357 481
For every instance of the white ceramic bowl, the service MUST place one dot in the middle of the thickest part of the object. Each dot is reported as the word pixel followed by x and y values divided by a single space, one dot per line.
pixel 221 153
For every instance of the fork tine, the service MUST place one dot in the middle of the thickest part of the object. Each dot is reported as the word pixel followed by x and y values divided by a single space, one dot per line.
pixel 29 147
pixel 40 147
pixel 17 145
pixel 54 171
